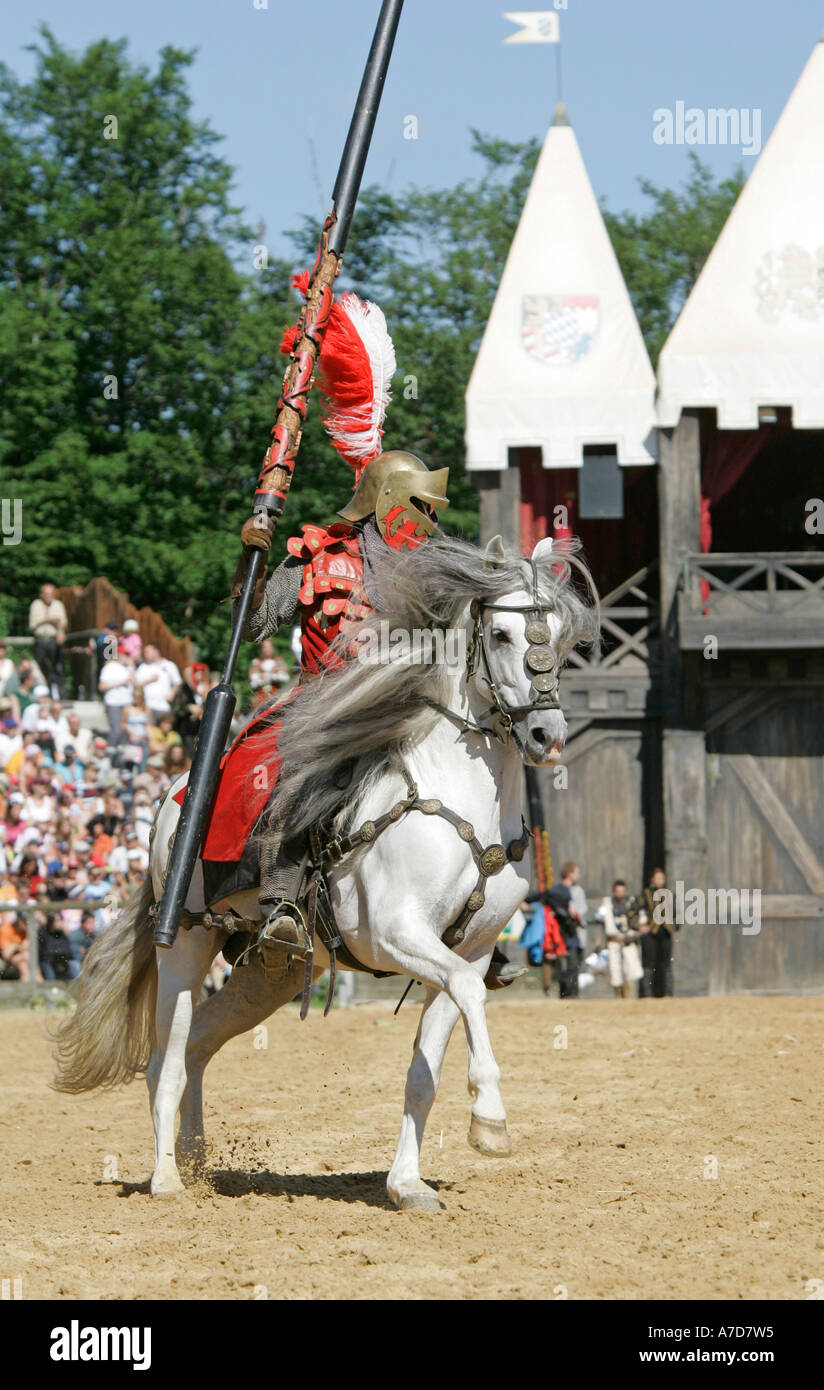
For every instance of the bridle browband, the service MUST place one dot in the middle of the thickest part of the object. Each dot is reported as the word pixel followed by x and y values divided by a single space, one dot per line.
pixel 541 662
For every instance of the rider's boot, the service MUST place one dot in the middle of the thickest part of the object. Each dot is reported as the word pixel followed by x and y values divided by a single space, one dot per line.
pixel 502 971
pixel 283 932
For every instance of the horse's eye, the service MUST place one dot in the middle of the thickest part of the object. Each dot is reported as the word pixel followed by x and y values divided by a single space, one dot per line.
pixel 499 635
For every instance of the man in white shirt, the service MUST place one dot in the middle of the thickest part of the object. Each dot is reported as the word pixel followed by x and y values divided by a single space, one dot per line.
pixel 76 735
pixel 116 684
pixel 159 679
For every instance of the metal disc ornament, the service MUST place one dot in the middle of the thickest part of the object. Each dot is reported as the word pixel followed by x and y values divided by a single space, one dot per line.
pixel 536 632
pixel 540 659
pixel 545 683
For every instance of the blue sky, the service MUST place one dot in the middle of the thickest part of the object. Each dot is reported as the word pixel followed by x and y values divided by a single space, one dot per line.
pixel 275 91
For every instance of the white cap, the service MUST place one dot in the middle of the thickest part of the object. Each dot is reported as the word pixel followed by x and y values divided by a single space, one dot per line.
pixel 41 692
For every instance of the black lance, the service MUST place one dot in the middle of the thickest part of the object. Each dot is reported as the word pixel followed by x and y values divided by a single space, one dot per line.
pixel 277 470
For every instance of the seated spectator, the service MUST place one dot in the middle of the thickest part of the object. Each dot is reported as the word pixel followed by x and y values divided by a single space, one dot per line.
pixel 11 739
pixel 163 736
pixel 101 842
pixel 14 946
pixel 187 705
pixel 69 768
pixel 82 937
pixel 38 807
pixel 57 959
pixel 38 710
pixel 175 761
pixel 137 855
pixel 77 736
pixel 13 824
pixel 135 751
pixel 29 869
pixel 267 673
pixel 20 687
pixel 6 666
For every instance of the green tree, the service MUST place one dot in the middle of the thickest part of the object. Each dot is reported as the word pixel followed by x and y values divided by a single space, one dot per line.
pixel 138 358
pixel 662 252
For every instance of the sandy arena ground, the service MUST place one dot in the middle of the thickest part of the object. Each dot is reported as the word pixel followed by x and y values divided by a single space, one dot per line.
pixel 605 1197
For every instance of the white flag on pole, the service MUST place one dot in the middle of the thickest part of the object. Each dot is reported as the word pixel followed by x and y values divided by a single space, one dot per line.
pixel 539 26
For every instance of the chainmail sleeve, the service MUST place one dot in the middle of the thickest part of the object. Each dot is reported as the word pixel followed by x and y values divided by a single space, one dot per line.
pixel 280 601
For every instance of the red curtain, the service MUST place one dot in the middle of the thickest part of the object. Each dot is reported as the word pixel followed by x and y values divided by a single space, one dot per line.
pixel 726 455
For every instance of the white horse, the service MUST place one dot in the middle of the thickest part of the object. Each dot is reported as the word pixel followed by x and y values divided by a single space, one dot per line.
pixel 461 732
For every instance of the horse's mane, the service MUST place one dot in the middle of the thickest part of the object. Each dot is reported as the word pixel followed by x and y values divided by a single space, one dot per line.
pixel 353 723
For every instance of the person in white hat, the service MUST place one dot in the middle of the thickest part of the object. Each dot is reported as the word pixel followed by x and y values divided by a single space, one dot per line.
pixel 33 714
pixel 131 643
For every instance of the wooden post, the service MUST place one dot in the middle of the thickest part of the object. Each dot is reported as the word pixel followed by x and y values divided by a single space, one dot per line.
pixel 683 746
pixel 499 492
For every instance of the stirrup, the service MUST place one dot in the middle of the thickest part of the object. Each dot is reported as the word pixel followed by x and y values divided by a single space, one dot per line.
pixel 285 932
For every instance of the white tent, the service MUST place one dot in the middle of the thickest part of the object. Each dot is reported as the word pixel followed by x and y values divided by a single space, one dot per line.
pixel 562 362
pixel 752 331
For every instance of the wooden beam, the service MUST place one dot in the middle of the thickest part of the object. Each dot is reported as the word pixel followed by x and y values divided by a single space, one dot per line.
pixel 775 813
pixel 791 905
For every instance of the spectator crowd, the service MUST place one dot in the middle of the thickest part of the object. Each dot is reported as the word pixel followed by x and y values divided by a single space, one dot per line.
pixel 76 806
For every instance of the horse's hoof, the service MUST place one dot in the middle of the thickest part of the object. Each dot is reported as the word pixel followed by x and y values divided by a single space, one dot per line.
pixel 167 1187
pixel 420 1198
pixel 489 1137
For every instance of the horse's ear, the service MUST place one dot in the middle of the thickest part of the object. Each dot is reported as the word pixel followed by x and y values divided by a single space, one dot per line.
pixel 542 550
pixel 495 552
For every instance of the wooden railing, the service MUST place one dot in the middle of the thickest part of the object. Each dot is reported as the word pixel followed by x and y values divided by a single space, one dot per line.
pixel 629 625
pixel 772 600
pixel 769 582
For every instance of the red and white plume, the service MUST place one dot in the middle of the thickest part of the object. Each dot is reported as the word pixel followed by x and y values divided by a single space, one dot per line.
pixel 357 363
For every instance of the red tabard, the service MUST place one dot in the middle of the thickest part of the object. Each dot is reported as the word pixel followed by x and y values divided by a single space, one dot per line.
pixel 331 601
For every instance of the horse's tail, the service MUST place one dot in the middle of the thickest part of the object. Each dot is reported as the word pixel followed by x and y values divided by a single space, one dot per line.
pixel 111 1034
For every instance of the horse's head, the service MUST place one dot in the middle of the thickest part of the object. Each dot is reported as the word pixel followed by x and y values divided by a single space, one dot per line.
pixel 519 643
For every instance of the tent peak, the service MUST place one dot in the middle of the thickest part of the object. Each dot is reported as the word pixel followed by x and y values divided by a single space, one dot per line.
pixel 560 116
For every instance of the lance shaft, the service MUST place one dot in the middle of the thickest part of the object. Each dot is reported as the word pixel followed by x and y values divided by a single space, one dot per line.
pixel 277 471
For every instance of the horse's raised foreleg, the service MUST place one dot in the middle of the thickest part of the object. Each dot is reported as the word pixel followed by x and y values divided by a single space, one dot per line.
pixel 426 958
pixel 180 973
pixel 248 997
pixel 405 1186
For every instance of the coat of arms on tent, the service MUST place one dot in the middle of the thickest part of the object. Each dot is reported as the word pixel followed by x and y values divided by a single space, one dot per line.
pixel 792 279
pixel 559 328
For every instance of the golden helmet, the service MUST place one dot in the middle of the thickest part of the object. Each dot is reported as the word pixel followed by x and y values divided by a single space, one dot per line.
pixel 390 486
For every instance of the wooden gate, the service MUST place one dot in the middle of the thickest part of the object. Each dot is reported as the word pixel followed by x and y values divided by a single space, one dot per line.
pixel 765 829
pixel 608 818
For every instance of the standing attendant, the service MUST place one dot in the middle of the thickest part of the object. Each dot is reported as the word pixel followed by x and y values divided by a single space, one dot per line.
pixel 49 625
pixel 622 941
pixel 560 900
pixel 657 940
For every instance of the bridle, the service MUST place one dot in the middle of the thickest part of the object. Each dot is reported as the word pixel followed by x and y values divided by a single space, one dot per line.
pixel 541 662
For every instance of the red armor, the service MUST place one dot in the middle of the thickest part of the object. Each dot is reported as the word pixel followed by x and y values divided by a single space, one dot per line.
pixel 331 594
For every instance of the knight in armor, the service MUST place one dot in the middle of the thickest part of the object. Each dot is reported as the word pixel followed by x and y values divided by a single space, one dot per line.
pixel 325 579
